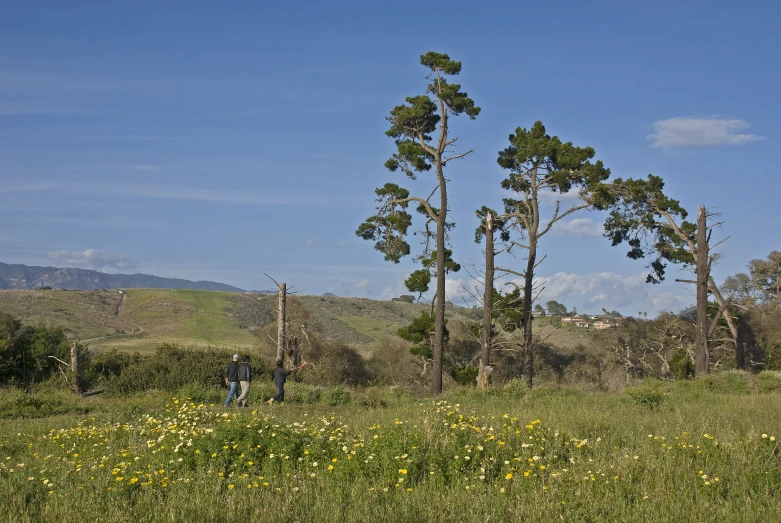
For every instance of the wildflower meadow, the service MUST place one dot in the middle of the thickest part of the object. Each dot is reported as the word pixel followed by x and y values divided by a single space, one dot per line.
pixel 553 453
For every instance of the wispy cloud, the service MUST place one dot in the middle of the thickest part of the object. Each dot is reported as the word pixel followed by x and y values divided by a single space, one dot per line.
pixel 695 132
pixel 550 198
pixel 609 290
pixel 93 259
pixel 363 283
pixel 579 227
pixel 310 242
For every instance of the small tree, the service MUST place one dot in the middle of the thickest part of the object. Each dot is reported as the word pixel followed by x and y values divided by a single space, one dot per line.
pixel 412 126
pixel 421 332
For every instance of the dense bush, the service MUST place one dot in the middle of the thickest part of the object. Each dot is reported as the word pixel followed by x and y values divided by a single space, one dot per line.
pixel 465 375
pixel 336 396
pixel 25 351
pixel 769 381
pixel 731 381
pixel 172 367
pixel 334 364
pixel 649 394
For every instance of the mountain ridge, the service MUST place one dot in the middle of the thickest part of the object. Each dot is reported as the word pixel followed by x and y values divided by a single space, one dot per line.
pixel 27 277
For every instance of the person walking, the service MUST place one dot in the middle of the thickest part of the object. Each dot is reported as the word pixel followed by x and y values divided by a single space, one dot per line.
pixel 280 377
pixel 245 377
pixel 232 379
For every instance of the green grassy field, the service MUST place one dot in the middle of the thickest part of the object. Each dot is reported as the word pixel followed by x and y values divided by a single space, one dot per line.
pixel 505 455
pixel 148 317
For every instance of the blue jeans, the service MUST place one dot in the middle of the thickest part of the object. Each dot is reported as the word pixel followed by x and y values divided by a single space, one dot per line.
pixel 232 393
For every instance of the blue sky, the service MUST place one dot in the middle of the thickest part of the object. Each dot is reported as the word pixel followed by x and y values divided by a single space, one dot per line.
pixel 218 141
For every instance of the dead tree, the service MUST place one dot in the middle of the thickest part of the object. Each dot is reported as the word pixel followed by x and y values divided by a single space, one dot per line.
pixel 281 306
pixel 485 370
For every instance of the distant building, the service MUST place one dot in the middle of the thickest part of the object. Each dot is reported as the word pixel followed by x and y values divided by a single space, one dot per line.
pixel 577 321
pixel 605 325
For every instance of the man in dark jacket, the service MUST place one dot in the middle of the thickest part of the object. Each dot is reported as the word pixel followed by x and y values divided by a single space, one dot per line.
pixel 280 377
pixel 245 377
pixel 232 379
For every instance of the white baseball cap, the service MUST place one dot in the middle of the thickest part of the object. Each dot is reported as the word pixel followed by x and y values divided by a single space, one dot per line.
pixel 235 356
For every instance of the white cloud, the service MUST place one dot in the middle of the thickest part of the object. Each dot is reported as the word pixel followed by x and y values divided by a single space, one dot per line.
pixel 363 283
pixel 460 291
pixel 340 243
pixel 93 259
pixel 669 301
pixel 690 132
pixel 548 197
pixel 596 289
pixel 579 227
pixel 310 242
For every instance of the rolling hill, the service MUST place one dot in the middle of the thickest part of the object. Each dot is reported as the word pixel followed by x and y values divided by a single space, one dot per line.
pixel 140 319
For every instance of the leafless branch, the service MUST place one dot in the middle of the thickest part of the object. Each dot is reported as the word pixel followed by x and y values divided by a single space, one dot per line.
pixel 272 279
pixel 456 157
pixel 58 359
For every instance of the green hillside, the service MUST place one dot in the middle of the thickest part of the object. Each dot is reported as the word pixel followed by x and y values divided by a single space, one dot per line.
pixel 144 318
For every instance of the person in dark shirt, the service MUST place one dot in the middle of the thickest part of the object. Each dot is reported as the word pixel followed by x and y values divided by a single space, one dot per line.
pixel 232 380
pixel 245 377
pixel 280 377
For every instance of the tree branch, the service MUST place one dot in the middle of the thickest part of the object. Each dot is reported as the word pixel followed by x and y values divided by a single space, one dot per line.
pixel 445 160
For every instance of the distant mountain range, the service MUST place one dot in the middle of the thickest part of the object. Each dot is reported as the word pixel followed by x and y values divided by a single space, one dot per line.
pixel 31 277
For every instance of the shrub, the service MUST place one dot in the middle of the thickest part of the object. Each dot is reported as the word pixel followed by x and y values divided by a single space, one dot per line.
pixel 769 381
pixel 465 375
pixel 334 364
pixel 336 396
pixel 731 381
pixel 172 367
pixel 375 397
pixel 516 387
pixel 302 393
pixel 648 394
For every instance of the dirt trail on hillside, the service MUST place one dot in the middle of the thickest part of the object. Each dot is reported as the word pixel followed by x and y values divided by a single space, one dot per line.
pixel 118 313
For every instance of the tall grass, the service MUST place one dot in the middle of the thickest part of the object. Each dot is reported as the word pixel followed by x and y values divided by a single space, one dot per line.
pixel 506 455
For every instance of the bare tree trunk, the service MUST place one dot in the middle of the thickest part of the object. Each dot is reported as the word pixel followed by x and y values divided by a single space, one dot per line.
pixel 528 288
pixel 439 325
pixel 295 351
pixel 75 358
pixel 281 322
pixel 74 370
pixel 702 354
pixel 485 361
